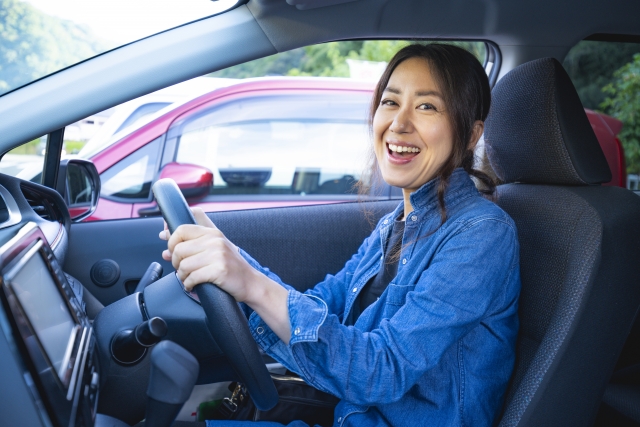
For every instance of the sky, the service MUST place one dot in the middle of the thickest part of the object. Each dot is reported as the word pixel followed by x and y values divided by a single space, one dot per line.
pixel 123 21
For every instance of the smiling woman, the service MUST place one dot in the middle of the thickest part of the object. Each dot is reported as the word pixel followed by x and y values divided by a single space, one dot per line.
pixel 412 308
pixel 423 124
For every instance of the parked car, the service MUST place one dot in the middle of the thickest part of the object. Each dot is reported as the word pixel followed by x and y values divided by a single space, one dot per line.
pixel 577 346
pixel 261 143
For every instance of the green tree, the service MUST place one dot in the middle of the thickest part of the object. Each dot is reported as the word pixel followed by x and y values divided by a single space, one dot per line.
pixel 622 102
pixel 328 59
pixel 274 65
pixel 591 65
pixel 34 44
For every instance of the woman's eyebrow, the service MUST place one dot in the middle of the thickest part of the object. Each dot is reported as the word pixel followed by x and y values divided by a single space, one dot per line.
pixel 428 93
pixel 417 93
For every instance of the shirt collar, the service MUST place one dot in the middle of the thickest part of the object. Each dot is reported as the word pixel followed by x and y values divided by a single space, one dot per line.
pixel 460 186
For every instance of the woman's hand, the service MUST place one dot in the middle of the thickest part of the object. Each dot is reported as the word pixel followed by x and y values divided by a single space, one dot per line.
pixel 202 254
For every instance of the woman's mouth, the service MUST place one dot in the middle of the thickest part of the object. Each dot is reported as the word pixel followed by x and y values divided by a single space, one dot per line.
pixel 402 152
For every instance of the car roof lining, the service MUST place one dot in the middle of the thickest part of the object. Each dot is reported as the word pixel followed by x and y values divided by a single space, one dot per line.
pixel 265 27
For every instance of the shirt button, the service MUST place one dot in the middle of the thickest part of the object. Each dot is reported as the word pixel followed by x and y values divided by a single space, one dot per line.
pixel 260 330
pixel 354 290
pixel 414 218
pixel 386 221
pixel 339 419
pixel 297 331
pixel 404 261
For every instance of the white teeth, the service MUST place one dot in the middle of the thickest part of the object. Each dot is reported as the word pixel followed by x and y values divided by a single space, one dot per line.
pixel 403 149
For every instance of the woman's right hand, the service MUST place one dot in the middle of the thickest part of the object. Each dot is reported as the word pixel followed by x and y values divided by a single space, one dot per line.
pixel 202 254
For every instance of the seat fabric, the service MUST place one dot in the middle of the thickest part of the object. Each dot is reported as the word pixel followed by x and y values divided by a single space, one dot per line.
pixel 578 247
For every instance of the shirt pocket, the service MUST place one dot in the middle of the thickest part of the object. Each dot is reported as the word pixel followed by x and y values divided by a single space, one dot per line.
pixel 396 294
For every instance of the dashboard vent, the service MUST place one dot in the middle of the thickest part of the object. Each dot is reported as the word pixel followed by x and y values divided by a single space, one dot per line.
pixel 42 204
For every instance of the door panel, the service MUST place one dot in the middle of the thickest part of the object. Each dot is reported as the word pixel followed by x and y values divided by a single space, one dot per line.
pixel 300 244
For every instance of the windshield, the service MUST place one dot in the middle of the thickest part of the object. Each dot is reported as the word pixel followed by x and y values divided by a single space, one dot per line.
pixel 40 37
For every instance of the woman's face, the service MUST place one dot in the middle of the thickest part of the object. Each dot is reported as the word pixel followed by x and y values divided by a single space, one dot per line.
pixel 411 129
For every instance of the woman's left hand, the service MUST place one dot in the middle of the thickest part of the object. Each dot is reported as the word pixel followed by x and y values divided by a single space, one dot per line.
pixel 202 254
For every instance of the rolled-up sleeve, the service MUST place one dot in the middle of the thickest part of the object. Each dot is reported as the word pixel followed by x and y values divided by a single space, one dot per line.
pixel 306 314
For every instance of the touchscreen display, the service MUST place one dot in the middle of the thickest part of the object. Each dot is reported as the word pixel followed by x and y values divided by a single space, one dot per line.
pixel 44 306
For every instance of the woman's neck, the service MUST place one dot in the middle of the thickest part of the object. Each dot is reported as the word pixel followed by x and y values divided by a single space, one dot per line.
pixel 407 203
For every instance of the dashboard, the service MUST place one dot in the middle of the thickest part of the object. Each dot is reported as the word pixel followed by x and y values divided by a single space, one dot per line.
pixel 58 367
pixel 48 365
pixel 46 333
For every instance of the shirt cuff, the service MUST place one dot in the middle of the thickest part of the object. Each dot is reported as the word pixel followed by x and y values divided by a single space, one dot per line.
pixel 306 314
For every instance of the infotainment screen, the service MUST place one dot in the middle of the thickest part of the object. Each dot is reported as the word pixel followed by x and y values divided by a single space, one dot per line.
pixel 53 337
pixel 48 313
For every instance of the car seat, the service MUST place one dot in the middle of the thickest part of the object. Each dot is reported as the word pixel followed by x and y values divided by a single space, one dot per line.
pixel 579 247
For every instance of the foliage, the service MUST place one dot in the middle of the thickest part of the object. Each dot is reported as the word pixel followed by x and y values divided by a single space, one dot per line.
pixel 623 102
pixel 274 65
pixel 74 147
pixel 328 59
pixel 33 44
pixel 591 65
pixel 30 148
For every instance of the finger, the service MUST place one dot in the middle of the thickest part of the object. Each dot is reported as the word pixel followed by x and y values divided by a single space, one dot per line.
pixel 202 218
pixel 189 232
pixel 166 255
pixel 210 242
pixel 165 234
pixel 200 276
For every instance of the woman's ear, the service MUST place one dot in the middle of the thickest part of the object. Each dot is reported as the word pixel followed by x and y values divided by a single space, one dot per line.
pixel 476 133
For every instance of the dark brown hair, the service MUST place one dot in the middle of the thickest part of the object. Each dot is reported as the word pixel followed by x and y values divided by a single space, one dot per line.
pixel 465 87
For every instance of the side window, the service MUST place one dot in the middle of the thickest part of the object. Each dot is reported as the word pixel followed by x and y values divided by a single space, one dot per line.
pixel 606 74
pixel 25 161
pixel 141 112
pixel 303 144
pixel 131 178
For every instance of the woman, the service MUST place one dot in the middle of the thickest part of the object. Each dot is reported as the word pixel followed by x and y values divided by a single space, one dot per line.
pixel 419 327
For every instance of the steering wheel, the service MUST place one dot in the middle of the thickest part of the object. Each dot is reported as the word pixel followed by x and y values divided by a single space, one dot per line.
pixel 225 320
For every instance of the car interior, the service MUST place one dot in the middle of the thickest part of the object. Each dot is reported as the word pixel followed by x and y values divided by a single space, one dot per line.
pixel 578 357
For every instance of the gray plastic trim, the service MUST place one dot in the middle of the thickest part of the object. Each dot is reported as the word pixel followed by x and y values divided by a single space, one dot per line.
pixel 12 207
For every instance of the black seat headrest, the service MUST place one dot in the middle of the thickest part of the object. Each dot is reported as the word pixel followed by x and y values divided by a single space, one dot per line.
pixel 537 131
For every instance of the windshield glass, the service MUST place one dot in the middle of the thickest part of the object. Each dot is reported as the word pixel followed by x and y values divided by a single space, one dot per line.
pixel 40 37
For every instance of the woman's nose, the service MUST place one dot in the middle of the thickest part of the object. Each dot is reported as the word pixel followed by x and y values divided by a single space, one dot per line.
pixel 401 122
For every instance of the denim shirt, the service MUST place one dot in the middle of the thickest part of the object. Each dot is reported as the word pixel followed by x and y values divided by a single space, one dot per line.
pixel 438 347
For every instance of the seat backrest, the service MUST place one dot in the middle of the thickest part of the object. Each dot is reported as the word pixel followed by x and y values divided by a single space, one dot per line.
pixel 579 247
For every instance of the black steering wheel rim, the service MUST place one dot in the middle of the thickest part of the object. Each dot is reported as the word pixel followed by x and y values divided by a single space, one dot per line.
pixel 225 320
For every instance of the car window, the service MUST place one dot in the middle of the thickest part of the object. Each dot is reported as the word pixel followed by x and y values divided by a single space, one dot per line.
pixel 131 177
pixel 141 112
pixel 289 144
pixel 606 73
pixel 25 161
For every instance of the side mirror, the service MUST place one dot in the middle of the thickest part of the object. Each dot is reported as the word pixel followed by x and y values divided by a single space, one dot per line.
pixel 194 181
pixel 80 187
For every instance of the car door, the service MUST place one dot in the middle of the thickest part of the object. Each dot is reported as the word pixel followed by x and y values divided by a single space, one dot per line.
pixel 301 244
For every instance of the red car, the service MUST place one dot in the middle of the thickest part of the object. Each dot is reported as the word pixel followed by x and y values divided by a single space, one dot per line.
pixel 262 143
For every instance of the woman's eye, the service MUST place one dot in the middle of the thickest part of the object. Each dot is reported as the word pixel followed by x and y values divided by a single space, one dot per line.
pixel 387 102
pixel 427 107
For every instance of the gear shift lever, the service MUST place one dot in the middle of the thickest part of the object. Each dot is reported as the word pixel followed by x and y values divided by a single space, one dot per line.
pixel 173 374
